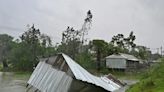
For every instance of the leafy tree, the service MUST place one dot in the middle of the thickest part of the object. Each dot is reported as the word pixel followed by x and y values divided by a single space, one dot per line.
pixel 33 44
pixel 155 56
pixel 5 47
pixel 129 41
pixel 70 42
pixel 123 44
pixel 143 52
pixel 73 40
pixel 31 39
pixel 46 45
pixel 100 46
pixel 21 57
pixel 118 40
pixel 86 26
pixel 85 60
pixel 111 49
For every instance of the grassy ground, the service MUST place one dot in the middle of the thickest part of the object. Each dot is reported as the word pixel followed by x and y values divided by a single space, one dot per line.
pixel 1 67
pixel 22 75
pixel 152 81
pixel 18 75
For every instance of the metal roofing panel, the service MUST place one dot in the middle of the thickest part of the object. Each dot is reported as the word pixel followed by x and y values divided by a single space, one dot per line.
pixel 35 72
pixel 41 75
pixel 123 56
pixel 116 56
pixel 81 74
pixel 47 79
pixel 129 57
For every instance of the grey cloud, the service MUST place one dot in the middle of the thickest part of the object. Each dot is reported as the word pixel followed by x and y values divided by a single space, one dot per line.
pixel 144 17
pixel 10 28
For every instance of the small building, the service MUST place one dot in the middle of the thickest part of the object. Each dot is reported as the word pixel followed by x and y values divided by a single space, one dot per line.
pixel 154 62
pixel 62 74
pixel 122 61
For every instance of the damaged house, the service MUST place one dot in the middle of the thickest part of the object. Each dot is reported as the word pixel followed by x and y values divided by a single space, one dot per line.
pixel 62 74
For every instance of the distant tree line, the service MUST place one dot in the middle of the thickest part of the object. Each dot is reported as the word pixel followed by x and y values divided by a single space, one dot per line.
pixel 23 54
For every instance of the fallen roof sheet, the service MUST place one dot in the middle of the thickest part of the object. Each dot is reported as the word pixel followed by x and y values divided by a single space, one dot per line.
pixel 81 74
pixel 48 79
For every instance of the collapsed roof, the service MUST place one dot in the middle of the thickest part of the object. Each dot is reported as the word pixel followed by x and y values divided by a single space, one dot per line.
pixel 56 74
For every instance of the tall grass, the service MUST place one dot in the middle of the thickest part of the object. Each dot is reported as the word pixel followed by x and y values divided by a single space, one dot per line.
pixel 151 81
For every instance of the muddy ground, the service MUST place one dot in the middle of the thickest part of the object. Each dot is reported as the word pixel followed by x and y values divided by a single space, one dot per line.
pixel 10 84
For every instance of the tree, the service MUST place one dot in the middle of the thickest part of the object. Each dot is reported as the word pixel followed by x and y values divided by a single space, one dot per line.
pixel 155 56
pixel 73 40
pixel 33 44
pixel 118 40
pixel 70 42
pixel 129 41
pixel 100 46
pixel 31 39
pixel 143 52
pixel 46 45
pixel 21 57
pixel 86 26
pixel 123 44
pixel 5 47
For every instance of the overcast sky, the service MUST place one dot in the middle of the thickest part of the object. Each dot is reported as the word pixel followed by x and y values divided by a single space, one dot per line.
pixel 110 17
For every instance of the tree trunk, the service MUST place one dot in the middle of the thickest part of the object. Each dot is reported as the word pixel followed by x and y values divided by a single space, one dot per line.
pixel 5 65
pixel 98 59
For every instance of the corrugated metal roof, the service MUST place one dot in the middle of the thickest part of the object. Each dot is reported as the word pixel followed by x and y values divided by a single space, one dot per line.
pixel 81 74
pixel 123 56
pixel 129 57
pixel 116 56
pixel 48 79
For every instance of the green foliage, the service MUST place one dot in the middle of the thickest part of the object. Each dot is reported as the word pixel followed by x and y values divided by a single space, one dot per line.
pixel 5 48
pixel 70 42
pixel 152 81
pixel 85 60
pixel 123 44
pixel 24 54
pixel 141 52
pixel 21 58
pixel 73 40
pixel 100 46
pixel 31 39
pixel 101 49
pixel 155 56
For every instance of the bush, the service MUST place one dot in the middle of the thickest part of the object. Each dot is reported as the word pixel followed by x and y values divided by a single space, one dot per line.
pixel 152 81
